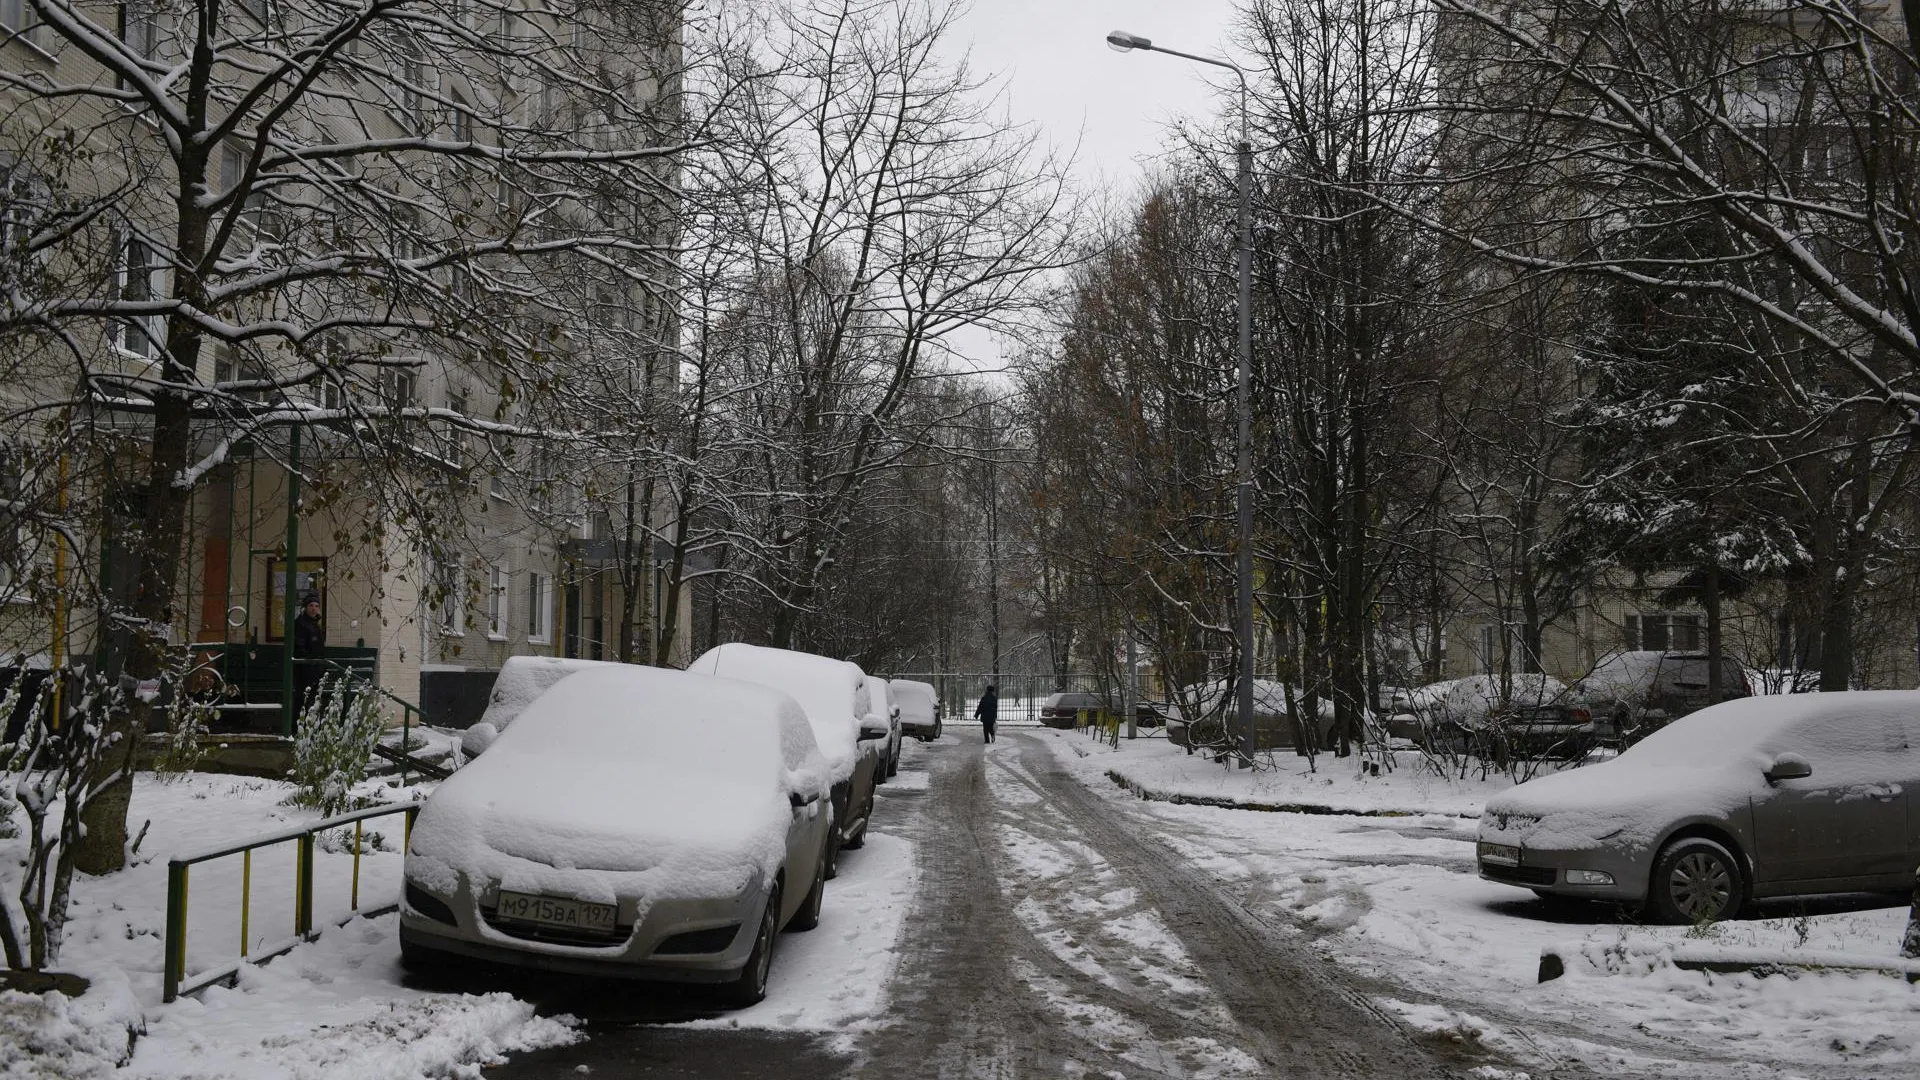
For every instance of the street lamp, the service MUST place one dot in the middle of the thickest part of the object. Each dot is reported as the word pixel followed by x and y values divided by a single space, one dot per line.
pixel 1121 41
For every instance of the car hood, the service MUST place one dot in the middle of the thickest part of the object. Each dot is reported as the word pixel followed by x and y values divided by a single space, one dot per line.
pixel 598 830
pixel 1614 804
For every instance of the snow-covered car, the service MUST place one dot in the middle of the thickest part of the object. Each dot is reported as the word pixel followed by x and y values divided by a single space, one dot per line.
pixel 631 821
pixel 1218 716
pixel 1487 714
pixel 1765 796
pixel 881 701
pixel 919 706
pixel 521 680
pixel 1639 691
pixel 838 703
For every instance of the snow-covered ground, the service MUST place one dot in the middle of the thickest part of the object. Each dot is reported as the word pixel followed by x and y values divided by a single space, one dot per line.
pixel 1397 898
pixel 337 1007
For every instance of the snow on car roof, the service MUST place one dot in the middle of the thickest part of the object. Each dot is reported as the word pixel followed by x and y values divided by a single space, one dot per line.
pixel 664 718
pixel 832 692
pixel 917 700
pixel 675 780
pixel 1761 724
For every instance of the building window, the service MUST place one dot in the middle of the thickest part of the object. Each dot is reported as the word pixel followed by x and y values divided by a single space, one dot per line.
pixel 462 118
pixel 1492 650
pixel 17 21
pixel 539 608
pixel 138 27
pixel 1664 630
pixel 449 587
pixel 137 278
pixel 498 578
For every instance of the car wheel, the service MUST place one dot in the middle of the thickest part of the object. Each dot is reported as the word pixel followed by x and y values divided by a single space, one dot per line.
pixel 1695 880
pixel 808 916
pixel 751 985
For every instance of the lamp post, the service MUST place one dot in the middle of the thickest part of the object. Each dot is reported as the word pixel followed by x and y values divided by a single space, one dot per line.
pixel 1121 41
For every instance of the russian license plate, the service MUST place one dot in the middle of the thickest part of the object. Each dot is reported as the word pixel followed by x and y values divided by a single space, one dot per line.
pixel 1499 854
pixel 555 911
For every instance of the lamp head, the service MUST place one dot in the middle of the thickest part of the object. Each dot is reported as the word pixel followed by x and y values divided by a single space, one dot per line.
pixel 1121 41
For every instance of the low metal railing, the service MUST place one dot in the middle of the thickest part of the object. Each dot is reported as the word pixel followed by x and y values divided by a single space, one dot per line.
pixel 174 979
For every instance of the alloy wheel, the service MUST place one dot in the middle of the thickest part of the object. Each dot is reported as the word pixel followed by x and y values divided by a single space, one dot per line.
pixel 1701 886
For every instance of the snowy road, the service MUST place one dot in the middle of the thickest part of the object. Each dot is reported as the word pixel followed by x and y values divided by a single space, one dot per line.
pixel 1056 942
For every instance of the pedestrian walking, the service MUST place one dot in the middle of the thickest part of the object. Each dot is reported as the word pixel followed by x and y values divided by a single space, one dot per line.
pixel 988 711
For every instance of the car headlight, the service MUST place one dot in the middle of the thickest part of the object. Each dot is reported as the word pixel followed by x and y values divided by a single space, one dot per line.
pixel 1589 877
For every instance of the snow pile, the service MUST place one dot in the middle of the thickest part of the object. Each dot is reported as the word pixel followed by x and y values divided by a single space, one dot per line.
pixel 335 1010
pixel 626 781
pixel 52 1035
pixel 834 693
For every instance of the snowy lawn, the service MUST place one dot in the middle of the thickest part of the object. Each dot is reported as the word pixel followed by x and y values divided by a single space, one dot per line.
pixel 1398 898
pixel 1158 769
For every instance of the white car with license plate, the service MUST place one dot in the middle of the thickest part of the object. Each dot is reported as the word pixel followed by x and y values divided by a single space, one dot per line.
pixel 633 822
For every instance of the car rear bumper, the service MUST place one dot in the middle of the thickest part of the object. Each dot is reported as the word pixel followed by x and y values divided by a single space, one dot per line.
pixel 923 732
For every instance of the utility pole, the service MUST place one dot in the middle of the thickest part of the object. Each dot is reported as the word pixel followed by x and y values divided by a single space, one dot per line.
pixel 993 544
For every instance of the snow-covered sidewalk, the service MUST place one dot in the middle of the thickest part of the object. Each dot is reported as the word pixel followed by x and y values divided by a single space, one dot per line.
pixel 337 1007
pixel 1398 898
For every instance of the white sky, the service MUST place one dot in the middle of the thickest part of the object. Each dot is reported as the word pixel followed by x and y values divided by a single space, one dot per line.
pixel 1059 74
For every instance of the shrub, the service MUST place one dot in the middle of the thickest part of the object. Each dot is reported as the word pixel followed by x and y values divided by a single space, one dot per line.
pixel 336 739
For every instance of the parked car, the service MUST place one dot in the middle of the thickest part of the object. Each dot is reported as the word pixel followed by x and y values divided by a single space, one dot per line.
pixel 838 703
pixel 883 706
pixel 1219 713
pixel 1486 715
pixel 1765 796
pixel 604 834
pixel 1068 710
pixel 1639 692
pixel 920 710
pixel 522 679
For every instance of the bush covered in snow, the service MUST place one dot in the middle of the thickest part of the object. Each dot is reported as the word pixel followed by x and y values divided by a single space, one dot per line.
pixel 336 739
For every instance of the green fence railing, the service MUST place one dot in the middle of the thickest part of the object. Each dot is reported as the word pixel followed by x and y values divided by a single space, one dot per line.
pixel 175 980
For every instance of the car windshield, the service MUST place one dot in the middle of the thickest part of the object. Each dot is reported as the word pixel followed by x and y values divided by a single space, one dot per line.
pixel 684 725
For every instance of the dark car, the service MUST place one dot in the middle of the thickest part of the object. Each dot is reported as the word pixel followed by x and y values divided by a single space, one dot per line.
pixel 1625 698
pixel 1071 710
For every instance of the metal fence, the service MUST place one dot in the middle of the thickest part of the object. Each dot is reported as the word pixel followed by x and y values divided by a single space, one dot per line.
pixel 1021 695
pixel 175 979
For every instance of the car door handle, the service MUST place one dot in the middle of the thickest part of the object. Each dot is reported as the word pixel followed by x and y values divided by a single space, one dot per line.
pixel 1883 792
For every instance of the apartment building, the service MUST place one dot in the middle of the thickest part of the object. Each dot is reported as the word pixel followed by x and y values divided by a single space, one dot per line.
pixel 359 279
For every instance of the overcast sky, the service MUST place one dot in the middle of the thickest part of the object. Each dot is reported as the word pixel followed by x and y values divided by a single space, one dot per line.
pixel 1053 59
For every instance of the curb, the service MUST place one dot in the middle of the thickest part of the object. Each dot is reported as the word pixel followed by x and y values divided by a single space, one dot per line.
pixel 1226 803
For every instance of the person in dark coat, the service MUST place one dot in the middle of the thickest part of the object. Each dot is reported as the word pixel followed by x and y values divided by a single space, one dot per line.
pixel 309 644
pixel 988 711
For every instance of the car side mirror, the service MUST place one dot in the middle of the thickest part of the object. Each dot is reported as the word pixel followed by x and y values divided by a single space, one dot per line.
pixel 873 727
pixel 1788 767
